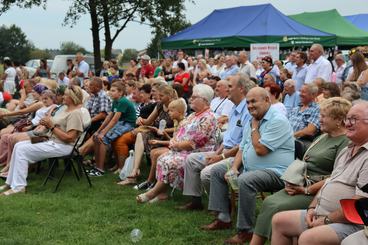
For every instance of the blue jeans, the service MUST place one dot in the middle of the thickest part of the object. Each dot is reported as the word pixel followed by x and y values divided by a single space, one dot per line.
pixel 119 129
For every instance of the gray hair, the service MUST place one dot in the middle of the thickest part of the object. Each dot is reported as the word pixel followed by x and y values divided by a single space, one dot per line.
pixel 312 88
pixel 204 91
pixel 319 47
pixel 290 82
pixel 245 83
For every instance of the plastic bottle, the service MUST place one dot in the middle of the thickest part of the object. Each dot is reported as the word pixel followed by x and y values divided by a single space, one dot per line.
pixel 162 125
pixel 136 235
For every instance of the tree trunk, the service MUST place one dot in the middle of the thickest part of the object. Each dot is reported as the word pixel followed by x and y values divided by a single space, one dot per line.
pixel 108 39
pixel 95 36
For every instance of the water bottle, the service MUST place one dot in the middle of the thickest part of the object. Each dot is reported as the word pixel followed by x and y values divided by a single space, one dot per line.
pixel 136 235
pixel 162 125
pixel 233 179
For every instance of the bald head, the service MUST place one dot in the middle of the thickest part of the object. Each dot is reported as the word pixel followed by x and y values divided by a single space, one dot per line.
pixel 316 51
pixel 222 88
pixel 258 92
pixel 258 101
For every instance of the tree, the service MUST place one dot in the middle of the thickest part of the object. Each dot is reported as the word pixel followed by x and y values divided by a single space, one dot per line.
pixel 113 16
pixel 7 4
pixel 171 27
pixel 39 54
pixel 14 43
pixel 70 47
pixel 128 54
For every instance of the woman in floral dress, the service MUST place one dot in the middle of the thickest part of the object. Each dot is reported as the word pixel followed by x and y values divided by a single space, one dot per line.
pixel 197 133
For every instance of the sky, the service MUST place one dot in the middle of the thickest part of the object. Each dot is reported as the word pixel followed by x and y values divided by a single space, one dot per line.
pixel 44 27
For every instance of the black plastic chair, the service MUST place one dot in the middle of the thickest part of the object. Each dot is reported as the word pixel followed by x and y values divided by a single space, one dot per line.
pixel 69 162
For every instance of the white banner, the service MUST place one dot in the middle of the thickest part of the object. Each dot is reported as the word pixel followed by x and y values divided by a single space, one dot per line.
pixel 260 50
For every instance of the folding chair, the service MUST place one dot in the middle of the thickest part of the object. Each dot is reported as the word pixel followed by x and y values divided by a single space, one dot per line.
pixel 69 161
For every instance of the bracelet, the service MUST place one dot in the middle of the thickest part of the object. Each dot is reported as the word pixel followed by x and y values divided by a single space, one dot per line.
pixel 310 208
pixel 223 156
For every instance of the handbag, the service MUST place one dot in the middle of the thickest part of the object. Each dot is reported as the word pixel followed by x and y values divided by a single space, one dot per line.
pixel 296 173
pixel 21 123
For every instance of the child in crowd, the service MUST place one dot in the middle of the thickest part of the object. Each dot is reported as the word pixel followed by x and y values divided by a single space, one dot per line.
pixel 120 120
pixel 177 110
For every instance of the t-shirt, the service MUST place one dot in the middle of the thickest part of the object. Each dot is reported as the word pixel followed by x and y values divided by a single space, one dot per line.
pixel 126 108
pixel 179 79
pixel 147 71
pixel 84 68
pixel 67 121
pixel 9 83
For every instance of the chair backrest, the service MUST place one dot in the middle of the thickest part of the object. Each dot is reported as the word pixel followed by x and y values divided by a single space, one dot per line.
pixel 80 141
pixel 301 147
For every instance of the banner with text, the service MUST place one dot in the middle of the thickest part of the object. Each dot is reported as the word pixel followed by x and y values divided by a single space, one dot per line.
pixel 260 50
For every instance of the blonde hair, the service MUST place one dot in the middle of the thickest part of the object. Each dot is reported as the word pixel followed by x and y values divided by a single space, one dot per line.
pixel 336 107
pixel 168 90
pixel 180 105
pixel 75 93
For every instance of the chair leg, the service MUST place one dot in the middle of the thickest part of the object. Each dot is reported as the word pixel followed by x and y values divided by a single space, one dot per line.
pixel 81 165
pixel 53 164
pixel 74 170
pixel 67 164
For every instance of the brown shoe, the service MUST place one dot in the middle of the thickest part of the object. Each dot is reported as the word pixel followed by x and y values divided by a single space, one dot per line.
pixel 191 207
pixel 240 238
pixel 217 225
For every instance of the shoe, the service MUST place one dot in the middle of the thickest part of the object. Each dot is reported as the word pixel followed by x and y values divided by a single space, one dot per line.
pixel 191 207
pixel 142 198
pixel 12 192
pixel 94 172
pixel 240 238
pixel 142 186
pixel 217 225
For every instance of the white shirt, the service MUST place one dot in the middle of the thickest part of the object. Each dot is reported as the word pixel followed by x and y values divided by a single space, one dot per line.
pixel 339 73
pixel 221 106
pixel 320 68
pixel 9 83
pixel 248 68
pixel 280 107
pixel 290 66
pixel 65 81
pixel 175 64
pixel 84 68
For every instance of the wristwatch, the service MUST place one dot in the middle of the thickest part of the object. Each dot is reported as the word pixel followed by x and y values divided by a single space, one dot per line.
pixel 327 220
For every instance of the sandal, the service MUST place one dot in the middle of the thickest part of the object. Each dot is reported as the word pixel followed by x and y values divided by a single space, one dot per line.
pixel 143 198
pixel 128 181
pixel 12 192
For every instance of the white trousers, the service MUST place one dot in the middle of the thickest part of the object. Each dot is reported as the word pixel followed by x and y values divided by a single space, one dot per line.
pixel 25 153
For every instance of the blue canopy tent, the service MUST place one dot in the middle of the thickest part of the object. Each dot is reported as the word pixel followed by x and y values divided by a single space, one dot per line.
pixel 241 26
pixel 359 20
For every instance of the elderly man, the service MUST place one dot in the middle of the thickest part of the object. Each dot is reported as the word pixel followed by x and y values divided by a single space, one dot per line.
pixel 320 66
pixel 266 150
pixel 231 68
pixel 292 97
pixel 98 105
pixel 180 58
pixel 221 105
pixel 147 69
pixel 304 118
pixel 300 70
pixel 245 66
pixel 323 222
pixel 339 68
pixel 82 67
pixel 198 165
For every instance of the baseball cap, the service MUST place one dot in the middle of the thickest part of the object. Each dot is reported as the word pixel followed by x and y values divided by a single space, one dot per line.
pixel 355 210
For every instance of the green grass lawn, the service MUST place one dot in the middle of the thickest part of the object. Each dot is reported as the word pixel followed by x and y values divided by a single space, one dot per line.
pixel 103 214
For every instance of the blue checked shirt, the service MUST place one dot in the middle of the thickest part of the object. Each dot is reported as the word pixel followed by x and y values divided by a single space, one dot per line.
pixel 300 119
pixel 99 103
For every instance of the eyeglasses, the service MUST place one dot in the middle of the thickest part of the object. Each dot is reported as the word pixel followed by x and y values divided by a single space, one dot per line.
pixel 353 120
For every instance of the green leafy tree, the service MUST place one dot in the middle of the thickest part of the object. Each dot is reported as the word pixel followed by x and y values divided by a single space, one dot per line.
pixel 7 4
pixel 128 54
pixel 40 54
pixel 14 43
pixel 71 48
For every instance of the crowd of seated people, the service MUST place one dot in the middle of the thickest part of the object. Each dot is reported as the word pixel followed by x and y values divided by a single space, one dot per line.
pixel 206 125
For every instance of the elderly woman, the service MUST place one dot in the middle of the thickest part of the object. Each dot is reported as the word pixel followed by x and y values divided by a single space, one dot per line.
pixel 330 90
pixel 319 159
pixel 64 128
pixel 351 91
pixel 197 133
pixel 13 116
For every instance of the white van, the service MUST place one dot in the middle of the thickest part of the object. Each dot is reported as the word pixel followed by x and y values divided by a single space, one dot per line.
pixel 59 64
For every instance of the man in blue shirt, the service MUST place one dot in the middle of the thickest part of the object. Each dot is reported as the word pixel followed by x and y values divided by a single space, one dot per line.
pixel 300 71
pixel 231 68
pixel 266 150
pixel 292 97
pixel 198 166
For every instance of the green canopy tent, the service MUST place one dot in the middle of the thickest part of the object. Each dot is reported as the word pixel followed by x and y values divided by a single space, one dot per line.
pixel 332 22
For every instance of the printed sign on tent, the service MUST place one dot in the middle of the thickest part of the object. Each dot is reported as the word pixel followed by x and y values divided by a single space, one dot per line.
pixel 260 50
